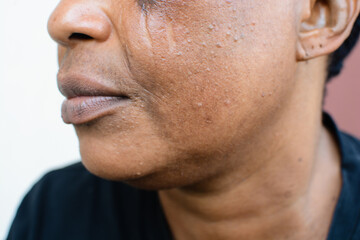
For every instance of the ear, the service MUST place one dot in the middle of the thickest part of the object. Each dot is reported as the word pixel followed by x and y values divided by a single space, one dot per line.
pixel 325 25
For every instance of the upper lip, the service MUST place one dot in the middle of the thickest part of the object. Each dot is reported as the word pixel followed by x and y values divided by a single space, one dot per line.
pixel 77 85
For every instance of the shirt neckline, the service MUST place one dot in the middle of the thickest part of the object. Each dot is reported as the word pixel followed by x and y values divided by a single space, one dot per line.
pixel 346 217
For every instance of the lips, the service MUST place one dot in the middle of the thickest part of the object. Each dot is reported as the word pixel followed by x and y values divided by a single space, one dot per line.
pixel 88 99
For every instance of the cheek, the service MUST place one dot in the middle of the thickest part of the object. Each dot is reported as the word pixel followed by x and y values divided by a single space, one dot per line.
pixel 210 71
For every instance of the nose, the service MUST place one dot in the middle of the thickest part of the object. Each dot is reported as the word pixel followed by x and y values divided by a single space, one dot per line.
pixel 71 22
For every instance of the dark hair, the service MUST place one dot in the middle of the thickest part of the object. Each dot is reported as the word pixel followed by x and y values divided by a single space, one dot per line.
pixel 336 59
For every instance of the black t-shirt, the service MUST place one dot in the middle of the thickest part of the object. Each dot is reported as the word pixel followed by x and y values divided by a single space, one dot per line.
pixel 73 204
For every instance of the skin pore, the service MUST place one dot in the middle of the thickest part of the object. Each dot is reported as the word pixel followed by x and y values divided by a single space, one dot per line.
pixel 225 106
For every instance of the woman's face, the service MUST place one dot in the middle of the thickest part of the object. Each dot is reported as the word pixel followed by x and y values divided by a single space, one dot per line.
pixel 201 78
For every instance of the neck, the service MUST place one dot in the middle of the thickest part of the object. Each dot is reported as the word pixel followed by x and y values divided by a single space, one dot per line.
pixel 282 183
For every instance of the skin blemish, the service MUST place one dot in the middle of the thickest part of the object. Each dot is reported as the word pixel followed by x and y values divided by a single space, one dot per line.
pixel 208 120
pixel 300 159
pixel 287 194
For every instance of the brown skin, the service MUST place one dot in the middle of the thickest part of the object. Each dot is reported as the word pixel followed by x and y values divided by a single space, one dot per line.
pixel 225 118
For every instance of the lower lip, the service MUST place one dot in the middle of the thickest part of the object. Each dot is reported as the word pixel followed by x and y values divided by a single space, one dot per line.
pixel 84 109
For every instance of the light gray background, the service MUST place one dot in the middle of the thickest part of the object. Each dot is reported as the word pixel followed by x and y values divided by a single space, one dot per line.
pixel 33 138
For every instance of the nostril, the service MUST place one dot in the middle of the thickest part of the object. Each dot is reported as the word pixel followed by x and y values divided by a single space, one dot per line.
pixel 79 36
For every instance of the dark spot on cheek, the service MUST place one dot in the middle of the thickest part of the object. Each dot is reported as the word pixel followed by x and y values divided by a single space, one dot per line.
pixel 300 159
pixel 287 194
pixel 208 119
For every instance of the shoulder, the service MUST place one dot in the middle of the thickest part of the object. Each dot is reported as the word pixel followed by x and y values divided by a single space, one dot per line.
pixel 72 202
pixel 350 151
pixel 59 180
pixel 68 183
pixel 351 142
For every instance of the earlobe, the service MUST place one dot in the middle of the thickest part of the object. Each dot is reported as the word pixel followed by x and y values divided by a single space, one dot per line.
pixel 325 26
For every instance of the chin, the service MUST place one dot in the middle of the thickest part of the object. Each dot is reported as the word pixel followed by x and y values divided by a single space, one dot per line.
pixel 141 169
pixel 147 179
pixel 158 172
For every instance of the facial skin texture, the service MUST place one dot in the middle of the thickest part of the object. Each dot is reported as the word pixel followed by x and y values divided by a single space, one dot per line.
pixel 197 71
pixel 225 108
